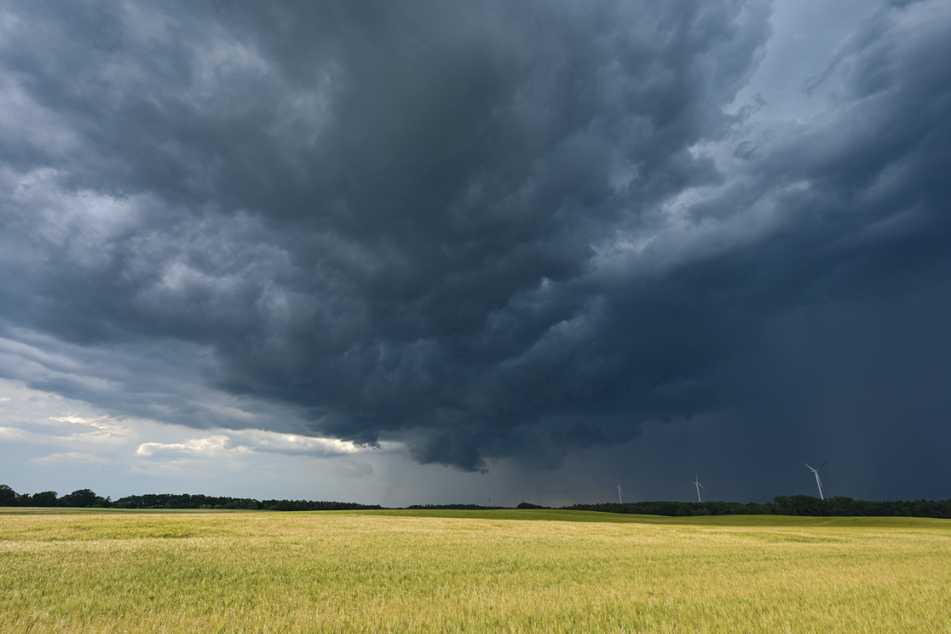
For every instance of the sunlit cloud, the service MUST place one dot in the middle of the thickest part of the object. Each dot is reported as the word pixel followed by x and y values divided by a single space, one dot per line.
pixel 247 441
pixel 210 446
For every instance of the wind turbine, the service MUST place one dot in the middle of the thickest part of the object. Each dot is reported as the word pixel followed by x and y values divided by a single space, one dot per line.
pixel 696 483
pixel 619 493
pixel 818 481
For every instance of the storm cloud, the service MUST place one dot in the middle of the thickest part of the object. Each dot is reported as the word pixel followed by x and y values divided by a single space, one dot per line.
pixel 486 230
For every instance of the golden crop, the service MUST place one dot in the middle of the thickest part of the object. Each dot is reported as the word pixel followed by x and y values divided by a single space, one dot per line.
pixel 508 571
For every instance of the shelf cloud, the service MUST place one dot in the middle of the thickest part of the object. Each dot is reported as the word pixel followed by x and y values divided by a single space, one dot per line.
pixel 482 230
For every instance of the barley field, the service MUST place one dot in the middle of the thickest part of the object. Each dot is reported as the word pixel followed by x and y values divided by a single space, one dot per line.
pixel 469 571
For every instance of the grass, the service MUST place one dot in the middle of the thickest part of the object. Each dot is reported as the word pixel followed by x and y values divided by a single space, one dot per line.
pixel 470 571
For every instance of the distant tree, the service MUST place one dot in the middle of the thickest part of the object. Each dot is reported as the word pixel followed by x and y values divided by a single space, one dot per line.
pixel 80 498
pixel 801 505
pixel 8 497
pixel 44 498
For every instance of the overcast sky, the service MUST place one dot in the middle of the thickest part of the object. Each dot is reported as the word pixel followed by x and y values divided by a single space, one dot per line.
pixel 432 252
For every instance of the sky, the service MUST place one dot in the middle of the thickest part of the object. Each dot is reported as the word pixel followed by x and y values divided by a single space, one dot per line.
pixel 476 252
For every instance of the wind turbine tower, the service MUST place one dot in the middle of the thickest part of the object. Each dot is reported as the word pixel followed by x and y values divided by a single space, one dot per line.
pixel 619 493
pixel 818 481
pixel 696 483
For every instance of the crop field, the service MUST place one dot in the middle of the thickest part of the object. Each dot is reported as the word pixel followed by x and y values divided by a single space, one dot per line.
pixel 469 571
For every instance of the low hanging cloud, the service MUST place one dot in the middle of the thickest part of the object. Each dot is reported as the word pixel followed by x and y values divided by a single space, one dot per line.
pixel 485 230
pixel 71 458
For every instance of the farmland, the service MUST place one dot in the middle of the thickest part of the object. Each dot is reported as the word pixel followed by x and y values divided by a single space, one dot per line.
pixel 505 570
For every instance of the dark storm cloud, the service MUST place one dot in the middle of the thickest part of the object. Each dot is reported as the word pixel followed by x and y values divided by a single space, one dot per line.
pixel 486 229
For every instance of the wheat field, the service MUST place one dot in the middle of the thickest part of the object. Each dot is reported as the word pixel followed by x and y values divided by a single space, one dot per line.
pixel 469 571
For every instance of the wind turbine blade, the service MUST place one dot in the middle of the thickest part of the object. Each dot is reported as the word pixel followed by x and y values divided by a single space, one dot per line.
pixel 823 464
pixel 808 467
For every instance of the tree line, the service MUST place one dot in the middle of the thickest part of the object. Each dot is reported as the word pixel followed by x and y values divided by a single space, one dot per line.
pixel 781 505
pixel 85 498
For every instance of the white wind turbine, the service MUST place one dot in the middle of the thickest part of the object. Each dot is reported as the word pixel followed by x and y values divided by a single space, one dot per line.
pixel 619 493
pixel 818 481
pixel 696 483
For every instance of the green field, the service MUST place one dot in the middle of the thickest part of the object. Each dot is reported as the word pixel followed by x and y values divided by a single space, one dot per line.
pixel 469 571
